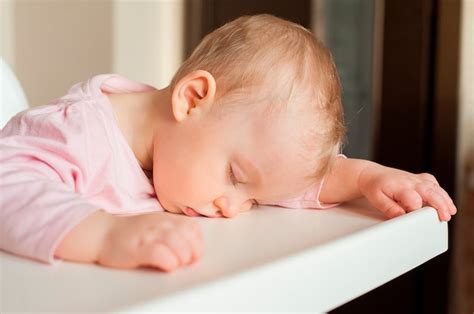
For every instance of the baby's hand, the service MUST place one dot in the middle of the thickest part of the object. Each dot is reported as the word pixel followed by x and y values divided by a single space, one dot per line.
pixel 396 192
pixel 159 240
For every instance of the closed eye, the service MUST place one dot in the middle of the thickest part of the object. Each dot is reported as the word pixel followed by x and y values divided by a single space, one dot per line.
pixel 234 181
pixel 232 177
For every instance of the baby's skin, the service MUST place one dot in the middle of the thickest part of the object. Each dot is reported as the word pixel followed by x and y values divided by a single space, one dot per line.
pixel 160 240
pixel 169 242
pixel 197 162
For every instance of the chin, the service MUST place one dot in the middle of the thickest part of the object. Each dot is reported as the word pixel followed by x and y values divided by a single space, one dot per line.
pixel 174 211
pixel 167 206
pixel 171 209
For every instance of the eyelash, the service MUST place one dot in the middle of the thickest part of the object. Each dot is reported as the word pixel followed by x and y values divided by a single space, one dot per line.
pixel 234 182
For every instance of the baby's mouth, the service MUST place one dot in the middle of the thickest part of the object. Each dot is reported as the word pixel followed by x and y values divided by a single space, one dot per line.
pixel 191 212
pixel 188 211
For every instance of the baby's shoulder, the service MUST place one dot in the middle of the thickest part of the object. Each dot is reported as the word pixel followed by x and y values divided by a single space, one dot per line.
pixel 57 120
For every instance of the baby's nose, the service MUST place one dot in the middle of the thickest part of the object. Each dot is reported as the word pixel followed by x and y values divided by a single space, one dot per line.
pixel 230 209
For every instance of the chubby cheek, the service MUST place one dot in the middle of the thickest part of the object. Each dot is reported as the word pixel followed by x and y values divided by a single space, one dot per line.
pixel 183 185
pixel 168 182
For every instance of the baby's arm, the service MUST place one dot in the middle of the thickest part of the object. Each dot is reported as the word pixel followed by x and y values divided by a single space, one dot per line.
pixel 45 211
pixel 160 239
pixel 83 243
pixel 390 190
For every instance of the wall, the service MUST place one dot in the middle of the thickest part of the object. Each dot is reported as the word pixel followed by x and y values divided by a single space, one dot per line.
pixel 6 31
pixel 53 44
pixel 148 39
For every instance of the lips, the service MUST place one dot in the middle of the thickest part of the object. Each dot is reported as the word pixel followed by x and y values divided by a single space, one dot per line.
pixel 188 211
pixel 191 212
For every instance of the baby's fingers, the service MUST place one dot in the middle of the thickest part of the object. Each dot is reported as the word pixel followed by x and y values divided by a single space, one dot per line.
pixel 387 205
pixel 432 196
pixel 409 199
pixel 159 255
pixel 193 235
pixel 179 245
pixel 449 201
pixel 168 253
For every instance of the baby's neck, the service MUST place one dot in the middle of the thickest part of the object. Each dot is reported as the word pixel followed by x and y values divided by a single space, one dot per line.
pixel 138 117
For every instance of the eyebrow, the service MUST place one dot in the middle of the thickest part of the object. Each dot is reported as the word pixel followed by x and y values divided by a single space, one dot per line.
pixel 248 167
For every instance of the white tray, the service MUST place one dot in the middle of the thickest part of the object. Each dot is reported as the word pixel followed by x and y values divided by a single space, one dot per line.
pixel 272 258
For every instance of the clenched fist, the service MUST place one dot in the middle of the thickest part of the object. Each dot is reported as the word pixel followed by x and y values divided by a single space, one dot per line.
pixel 160 240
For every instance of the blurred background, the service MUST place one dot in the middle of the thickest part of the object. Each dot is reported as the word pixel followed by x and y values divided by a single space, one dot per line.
pixel 406 68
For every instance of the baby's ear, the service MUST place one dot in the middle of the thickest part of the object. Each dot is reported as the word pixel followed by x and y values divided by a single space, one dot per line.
pixel 194 93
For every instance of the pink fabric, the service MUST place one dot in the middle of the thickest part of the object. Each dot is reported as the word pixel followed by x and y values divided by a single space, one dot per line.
pixel 63 161
pixel 309 199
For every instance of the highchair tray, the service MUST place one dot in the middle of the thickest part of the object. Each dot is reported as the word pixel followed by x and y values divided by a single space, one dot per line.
pixel 270 258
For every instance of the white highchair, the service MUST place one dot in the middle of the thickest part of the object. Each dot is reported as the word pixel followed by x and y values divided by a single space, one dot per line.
pixel 12 97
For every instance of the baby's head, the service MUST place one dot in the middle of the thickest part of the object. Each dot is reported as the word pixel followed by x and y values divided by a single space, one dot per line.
pixel 259 90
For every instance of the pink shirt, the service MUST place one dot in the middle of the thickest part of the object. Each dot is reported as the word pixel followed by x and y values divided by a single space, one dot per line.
pixel 63 161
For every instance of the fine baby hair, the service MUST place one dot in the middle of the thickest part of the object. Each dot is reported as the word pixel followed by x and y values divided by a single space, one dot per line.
pixel 268 61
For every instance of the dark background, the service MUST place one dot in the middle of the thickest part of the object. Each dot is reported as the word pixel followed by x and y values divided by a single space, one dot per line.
pixel 410 106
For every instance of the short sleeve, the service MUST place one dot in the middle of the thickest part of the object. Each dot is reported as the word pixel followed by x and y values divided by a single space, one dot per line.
pixel 309 198
pixel 37 209
pixel 39 203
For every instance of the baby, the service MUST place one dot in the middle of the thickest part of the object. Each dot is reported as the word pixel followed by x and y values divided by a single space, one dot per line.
pixel 253 116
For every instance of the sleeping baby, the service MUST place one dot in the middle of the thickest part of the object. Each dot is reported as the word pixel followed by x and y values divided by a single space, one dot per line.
pixel 109 172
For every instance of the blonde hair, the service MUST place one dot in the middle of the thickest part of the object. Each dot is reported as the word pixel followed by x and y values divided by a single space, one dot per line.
pixel 266 58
